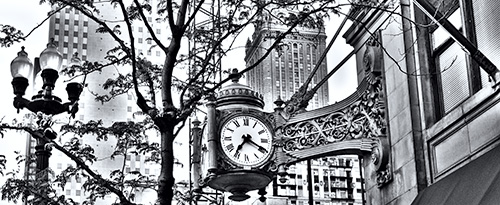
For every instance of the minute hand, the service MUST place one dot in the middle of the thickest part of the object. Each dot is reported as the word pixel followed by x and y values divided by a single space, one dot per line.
pixel 261 148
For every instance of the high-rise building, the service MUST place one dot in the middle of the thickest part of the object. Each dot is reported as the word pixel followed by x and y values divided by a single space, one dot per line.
pixel 74 32
pixel 286 68
pixel 335 180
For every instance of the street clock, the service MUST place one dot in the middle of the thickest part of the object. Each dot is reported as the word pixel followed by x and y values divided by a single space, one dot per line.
pixel 246 140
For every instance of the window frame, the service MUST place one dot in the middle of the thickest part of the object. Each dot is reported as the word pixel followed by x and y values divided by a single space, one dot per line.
pixel 432 84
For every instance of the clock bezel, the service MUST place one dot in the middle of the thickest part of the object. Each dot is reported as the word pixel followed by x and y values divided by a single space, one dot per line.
pixel 264 122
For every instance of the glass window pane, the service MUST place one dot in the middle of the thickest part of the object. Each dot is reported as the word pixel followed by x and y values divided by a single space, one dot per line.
pixel 486 17
pixel 454 78
pixel 440 34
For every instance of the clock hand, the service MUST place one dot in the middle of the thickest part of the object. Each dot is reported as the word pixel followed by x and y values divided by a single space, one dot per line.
pixel 261 148
pixel 245 140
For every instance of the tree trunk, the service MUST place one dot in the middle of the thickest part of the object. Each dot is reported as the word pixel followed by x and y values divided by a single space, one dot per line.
pixel 166 179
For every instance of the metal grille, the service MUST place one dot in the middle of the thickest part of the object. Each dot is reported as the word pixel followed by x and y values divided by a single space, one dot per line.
pixel 454 79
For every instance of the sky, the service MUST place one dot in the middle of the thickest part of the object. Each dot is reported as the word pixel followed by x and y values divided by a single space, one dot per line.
pixel 27 14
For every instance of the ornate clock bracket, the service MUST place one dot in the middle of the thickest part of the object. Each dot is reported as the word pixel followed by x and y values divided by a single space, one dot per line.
pixel 356 125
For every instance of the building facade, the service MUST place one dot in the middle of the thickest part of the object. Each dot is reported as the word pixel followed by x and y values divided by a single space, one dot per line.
pixel 284 70
pixel 335 181
pixel 441 97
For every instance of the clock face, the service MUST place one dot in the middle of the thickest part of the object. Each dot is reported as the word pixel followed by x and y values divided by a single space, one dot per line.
pixel 246 140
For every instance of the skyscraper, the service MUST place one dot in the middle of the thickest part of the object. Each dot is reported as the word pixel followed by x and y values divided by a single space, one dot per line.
pixel 334 180
pixel 286 68
pixel 74 32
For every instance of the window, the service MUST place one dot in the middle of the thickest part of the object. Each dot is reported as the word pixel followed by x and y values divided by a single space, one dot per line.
pixel 450 64
pixel 158 53
pixel 454 77
pixel 140 29
pixel 139 40
pixel 158 31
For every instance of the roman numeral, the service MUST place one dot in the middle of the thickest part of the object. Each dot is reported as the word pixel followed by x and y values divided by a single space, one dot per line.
pixel 254 124
pixel 230 147
pixel 261 132
pixel 246 121
pixel 237 154
pixel 246 158
pixel 230 129
pixel 264 140
pixel 236 123
pixel 227 138
pixel 254 154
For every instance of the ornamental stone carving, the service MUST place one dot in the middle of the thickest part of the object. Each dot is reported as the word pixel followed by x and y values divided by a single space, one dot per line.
pixel 355 125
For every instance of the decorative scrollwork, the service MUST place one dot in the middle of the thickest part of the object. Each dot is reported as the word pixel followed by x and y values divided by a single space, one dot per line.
pixel 363 118
pixel 384 176
pixel 359 117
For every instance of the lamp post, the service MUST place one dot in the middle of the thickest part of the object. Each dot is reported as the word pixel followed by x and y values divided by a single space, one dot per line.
pixel 43 101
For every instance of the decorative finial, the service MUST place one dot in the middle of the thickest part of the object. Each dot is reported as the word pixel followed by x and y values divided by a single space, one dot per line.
pixel 22 52
pixel 75 59
pixel 52 43
pixel 196 122
pixel 234 75
pixel 279 102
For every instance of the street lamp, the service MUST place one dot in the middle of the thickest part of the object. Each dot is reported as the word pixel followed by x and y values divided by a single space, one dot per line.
pixel 43 101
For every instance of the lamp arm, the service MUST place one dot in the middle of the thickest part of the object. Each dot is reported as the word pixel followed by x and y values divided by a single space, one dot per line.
pixel 20 103
pixel 71 108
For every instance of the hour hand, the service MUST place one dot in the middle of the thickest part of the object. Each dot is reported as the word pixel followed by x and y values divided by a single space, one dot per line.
pixel 241 144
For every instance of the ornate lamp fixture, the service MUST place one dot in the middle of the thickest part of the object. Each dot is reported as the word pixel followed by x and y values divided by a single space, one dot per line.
pixel 50 62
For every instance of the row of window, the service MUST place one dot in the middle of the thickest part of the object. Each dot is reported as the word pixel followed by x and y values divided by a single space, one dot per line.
pixel 75 22
pixel 141 29
pixel 454 77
